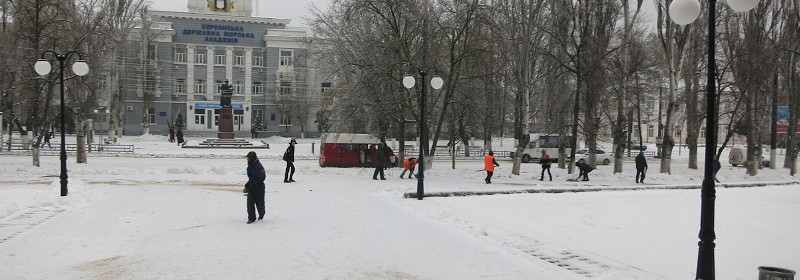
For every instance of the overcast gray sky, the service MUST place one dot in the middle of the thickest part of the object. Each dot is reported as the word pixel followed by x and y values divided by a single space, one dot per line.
pixel 294 10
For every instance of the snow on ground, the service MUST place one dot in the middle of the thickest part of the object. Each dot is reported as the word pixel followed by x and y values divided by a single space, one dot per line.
pixel 171 213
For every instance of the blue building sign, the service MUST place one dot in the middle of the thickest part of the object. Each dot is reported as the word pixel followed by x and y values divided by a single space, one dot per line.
pixel 217 106
pixel 219 33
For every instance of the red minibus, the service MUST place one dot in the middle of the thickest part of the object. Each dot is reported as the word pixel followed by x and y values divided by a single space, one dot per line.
pixel 348 150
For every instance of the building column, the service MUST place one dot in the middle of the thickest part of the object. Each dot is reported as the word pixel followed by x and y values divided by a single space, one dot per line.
pixel 248 74
pixel 229 64
pixel 210 86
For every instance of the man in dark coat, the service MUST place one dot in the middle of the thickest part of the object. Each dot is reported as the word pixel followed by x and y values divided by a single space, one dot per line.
pixel 641 167
pixel 179 134
pixel 255 188
pixel 584 168
pixel 47 137
pixel 380 162
pixel 288 157
pixel 389 153
pixel 717 167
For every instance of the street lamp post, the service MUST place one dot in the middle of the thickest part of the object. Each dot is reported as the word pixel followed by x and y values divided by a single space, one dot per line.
pixel 80 68
pixel 436 82
pixel 684 12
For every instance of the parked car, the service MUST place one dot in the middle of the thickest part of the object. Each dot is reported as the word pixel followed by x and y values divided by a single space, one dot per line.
pixel 601 156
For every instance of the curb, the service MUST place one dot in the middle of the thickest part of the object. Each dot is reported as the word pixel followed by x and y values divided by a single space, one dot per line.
pixel 577 190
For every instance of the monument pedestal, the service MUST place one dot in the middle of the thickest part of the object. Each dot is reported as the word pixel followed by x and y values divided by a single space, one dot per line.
pixel 225 123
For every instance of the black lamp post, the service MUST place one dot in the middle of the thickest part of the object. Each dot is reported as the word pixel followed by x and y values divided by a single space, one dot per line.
pixel 80 68
pixel 436 83
pixel 684 12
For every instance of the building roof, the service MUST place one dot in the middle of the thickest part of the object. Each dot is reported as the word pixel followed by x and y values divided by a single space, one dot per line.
pixel 221 17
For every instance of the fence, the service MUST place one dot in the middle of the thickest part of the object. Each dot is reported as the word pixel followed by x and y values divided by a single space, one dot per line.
pixel 114 148
pixel 460 154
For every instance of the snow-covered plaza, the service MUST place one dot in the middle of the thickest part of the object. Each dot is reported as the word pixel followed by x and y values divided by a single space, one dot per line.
pixel 169 213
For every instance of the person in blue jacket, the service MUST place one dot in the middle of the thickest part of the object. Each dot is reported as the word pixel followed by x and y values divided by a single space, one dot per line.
pixel 255 188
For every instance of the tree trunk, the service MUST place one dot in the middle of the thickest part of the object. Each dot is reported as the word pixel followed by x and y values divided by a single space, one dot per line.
pixel 36 155
pixel 753 145
pixel 81 141
pixel 693 118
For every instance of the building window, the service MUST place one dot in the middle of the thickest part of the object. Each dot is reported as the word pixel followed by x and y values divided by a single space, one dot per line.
pixel 151 115
pixel 286 58
pixel 219 58
pixel 238 87
pixel 703 132
pixel 151 52
pixel 200 57
pixel 258 60
pixel 180 55
pixel 180 85
pixel 650 130
pixel 258 120
pixel 200 116
pixel 258 88
pixel 200 86
pixel 326 86
pixel 286 120
pixel 285 88
pixel 272 117
pixel 238 58
pixel 217 85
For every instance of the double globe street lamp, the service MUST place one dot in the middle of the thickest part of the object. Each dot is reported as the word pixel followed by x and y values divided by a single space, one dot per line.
pixel 80 68
pixel 436 83
pixel 684 12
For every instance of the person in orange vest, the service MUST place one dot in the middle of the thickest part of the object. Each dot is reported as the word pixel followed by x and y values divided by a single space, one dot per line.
pixel 489 165
pixel 408 165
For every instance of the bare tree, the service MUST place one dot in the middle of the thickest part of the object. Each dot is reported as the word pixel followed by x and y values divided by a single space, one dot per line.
pixel 517 26
pixel 752 67
pixel 674 41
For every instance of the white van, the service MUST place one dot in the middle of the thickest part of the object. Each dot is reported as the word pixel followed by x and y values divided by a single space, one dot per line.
pixel 737 157
pixel 548 142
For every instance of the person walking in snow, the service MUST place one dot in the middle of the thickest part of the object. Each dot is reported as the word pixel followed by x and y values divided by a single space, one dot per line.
pixel 717 167
pixel 641 167
pixel 489 164
pixel 288 157
pixel 390 157
pixel 179 134
pixel 408 165
pixel 584 168
pixel 380 162
pixel 545 165
pixel 255 188
pixel 47 137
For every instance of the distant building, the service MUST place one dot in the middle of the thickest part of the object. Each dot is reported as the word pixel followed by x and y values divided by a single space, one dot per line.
pixel 177 67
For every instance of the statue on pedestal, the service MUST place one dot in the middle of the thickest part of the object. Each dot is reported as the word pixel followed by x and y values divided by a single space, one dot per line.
pixel 227 93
